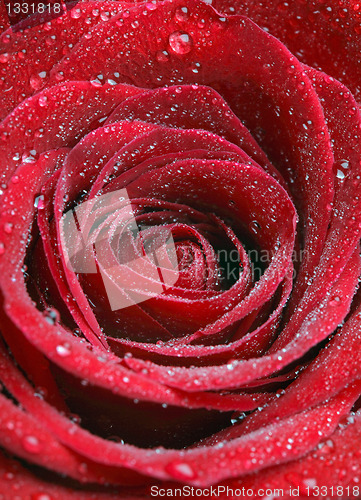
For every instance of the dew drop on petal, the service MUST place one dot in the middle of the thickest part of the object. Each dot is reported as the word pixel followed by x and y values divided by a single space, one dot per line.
pixel 310 482
pixel 162 56
pixel 31 444
pixel 180 42
pixel 50 40
pixel 83 468
pixel 195 67
pixel 181 470
pixel 182 14
pixel 29 156
pixel 52 316
pixel 254 226
pixel 151 6
pixel 2 248
pixel 63 350
pixel 96 83
pixel 327 446
pixel 10 425
pixel 221 22
pixel 59 75
pixel 8 228
pixel 4 57
pixel 335 301
pixel 41 496
pixel 340 168
pixel 35 82
pixel 75 13
pixel 344 163
pixel 43 101
pixel 39 202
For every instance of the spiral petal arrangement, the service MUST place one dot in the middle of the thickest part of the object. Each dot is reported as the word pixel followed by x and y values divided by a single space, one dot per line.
pixel 179 248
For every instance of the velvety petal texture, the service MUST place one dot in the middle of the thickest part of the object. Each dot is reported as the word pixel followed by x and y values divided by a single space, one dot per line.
pixel 179 250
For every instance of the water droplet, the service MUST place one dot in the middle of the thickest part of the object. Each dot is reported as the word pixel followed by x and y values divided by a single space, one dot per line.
pixel 335 301
pixel 52 316
pixel 75 13
pixel 35 82
pixel 221 22
pixel 83 468
pixel 181 470
pixel 342 474
pixel 195 67
pixel 15 179
pixel 254 226
pixel 31 444
pixel 150 6
pixel 182 14
pixel 340 168
pixel 162 56
pixel 39 202
pixel 344 163
pixel 326 446
pixel 2 248
pixel 43 101
pixel 8 227
pixel 310 482
pixel 50 40
pixel 4 57
pixel 75 418
pixel 104 16
pixel 180 42
pixel 29 156
pixel 41 496
pixel 63 350
pixel 59 75
pixel 96 83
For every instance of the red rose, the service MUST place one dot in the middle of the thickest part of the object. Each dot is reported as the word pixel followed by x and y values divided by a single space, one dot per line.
pixel 179 238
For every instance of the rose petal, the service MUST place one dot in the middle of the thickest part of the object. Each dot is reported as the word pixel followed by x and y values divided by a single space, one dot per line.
pixel 50 41
pixel 264 84
pixel 77 104
pixel 323 35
